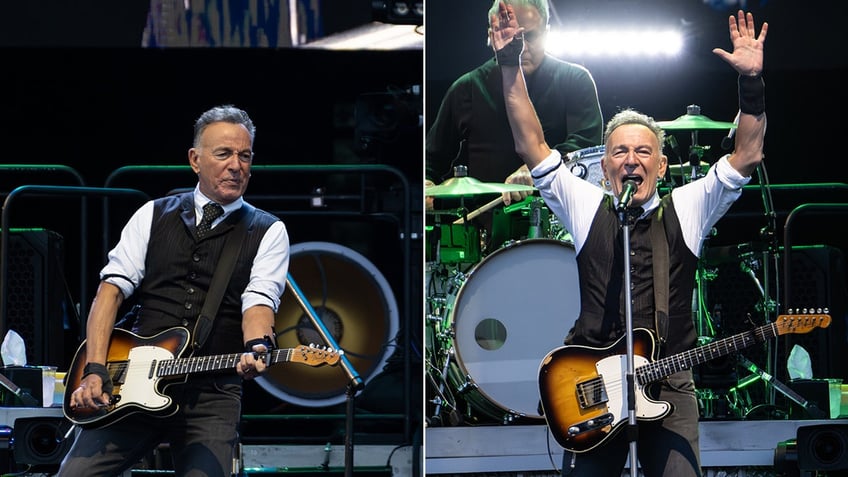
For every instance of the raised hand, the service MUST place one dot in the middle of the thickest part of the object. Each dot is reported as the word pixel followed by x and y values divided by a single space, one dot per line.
pixel 747 56
pixel 504 27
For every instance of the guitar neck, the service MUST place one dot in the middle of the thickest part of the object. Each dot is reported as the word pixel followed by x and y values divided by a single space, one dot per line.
pixel 202 364
pixel 665 367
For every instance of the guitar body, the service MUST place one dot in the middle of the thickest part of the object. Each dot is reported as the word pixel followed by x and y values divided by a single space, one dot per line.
pixel 141 368
pixel 584 392
pixel 584 389
pixel 137 387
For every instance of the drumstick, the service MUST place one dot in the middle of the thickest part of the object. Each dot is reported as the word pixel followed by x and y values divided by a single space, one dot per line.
pixel 479 211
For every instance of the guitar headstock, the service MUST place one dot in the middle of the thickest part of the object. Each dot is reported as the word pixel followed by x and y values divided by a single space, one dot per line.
pixel 315 356
pixel 804 321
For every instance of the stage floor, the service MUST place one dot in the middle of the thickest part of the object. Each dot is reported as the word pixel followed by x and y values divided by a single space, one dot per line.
pixel 531 448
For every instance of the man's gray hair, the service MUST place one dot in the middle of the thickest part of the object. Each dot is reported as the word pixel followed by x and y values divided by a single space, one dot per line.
pixel 631 116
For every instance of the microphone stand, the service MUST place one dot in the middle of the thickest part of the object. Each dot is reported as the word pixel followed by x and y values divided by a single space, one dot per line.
pixel 355 382
pixel 632 429
pixel 811 408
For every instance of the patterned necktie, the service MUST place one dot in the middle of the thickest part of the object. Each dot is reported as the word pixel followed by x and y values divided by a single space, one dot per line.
pixel 211 211
pixel 634 213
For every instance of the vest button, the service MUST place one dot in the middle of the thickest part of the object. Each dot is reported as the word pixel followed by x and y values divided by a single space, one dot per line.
pixel 185 322
pixel 195 257
pixel 190 290
pixel 188 306
pixel 192 275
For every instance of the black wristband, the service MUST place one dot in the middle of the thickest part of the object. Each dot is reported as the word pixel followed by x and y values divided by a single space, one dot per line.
pixel 752 95
pixel 510 55
pixel 265 340
pixel 100 370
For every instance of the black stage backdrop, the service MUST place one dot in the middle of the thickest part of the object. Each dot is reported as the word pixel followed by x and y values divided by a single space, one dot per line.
pixel 91 111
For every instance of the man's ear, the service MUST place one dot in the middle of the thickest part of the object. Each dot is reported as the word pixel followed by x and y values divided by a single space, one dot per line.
pixel 663 166
pixel 193 160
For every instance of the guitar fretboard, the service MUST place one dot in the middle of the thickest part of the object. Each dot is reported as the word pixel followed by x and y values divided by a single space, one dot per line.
pixel 199 364
pixel 665 367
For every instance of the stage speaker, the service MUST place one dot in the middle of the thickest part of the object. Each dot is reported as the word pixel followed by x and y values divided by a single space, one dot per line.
pixel 823 447
pixel 357 309
pixel 34 300
pixel 40 441
pixel 817 279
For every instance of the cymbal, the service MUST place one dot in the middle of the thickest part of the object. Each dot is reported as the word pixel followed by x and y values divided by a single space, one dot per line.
pixel 695 122
pixel 465 186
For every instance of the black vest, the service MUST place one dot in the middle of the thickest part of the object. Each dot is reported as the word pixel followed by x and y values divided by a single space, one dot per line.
pixel 600 266
pixel 179 271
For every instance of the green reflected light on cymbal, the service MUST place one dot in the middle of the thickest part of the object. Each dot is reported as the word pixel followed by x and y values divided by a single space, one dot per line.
pixel 692 122
pixel 468 186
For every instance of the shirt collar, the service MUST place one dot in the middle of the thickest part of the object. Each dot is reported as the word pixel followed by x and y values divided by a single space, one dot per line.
pixel 200 200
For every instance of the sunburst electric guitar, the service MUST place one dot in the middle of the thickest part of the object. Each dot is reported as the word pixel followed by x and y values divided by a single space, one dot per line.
pixel 142 367
pixel 583 389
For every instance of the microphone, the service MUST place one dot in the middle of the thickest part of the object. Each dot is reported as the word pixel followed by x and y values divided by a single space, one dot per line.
pixel 535 220
pixel 628 189
pixel 726 143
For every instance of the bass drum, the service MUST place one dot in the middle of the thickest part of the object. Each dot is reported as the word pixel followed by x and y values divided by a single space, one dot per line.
pixel 510 311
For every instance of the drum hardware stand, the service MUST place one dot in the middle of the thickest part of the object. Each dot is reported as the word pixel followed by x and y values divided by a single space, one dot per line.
pixel 769 235
pixel 439 400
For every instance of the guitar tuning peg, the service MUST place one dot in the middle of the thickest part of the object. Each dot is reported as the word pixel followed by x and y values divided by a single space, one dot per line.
pixel 789 311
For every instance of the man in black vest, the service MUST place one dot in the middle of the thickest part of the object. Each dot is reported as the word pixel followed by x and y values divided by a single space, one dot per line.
pixel 167 256
pixel 666 235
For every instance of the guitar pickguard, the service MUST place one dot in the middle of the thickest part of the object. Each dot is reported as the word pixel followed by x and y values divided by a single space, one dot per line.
pixel 613 369
pixel 140 386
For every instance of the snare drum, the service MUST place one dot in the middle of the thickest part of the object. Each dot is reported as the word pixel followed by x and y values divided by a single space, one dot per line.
pixel 510 310
pixel 586 164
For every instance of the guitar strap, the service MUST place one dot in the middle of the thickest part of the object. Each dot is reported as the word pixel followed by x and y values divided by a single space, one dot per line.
pixel 659 244
pixel 221 277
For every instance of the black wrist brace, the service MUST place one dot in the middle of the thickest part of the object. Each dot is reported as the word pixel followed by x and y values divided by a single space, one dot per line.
pixel 100 370
pixel 265 341
pixel 752 95
pixel 510 55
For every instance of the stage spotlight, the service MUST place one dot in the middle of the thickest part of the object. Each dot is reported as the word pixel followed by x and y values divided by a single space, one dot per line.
pixel 815 448
pixel 358 309
pixel 823 447
pixel 398 12
pixel 40 442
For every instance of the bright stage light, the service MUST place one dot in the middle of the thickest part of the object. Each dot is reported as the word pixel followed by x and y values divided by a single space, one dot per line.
pixel 614 43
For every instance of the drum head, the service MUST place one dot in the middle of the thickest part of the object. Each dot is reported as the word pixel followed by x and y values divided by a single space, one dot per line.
pixel 515 306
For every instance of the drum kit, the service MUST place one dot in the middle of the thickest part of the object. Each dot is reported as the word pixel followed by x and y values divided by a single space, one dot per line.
pixel 484 340
pixel 485 334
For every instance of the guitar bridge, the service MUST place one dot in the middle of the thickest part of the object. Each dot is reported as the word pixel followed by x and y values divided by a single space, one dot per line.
pixel 594 424
pixel 592 393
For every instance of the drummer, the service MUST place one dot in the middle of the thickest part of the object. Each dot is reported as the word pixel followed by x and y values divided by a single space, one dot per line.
pixel 471 127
